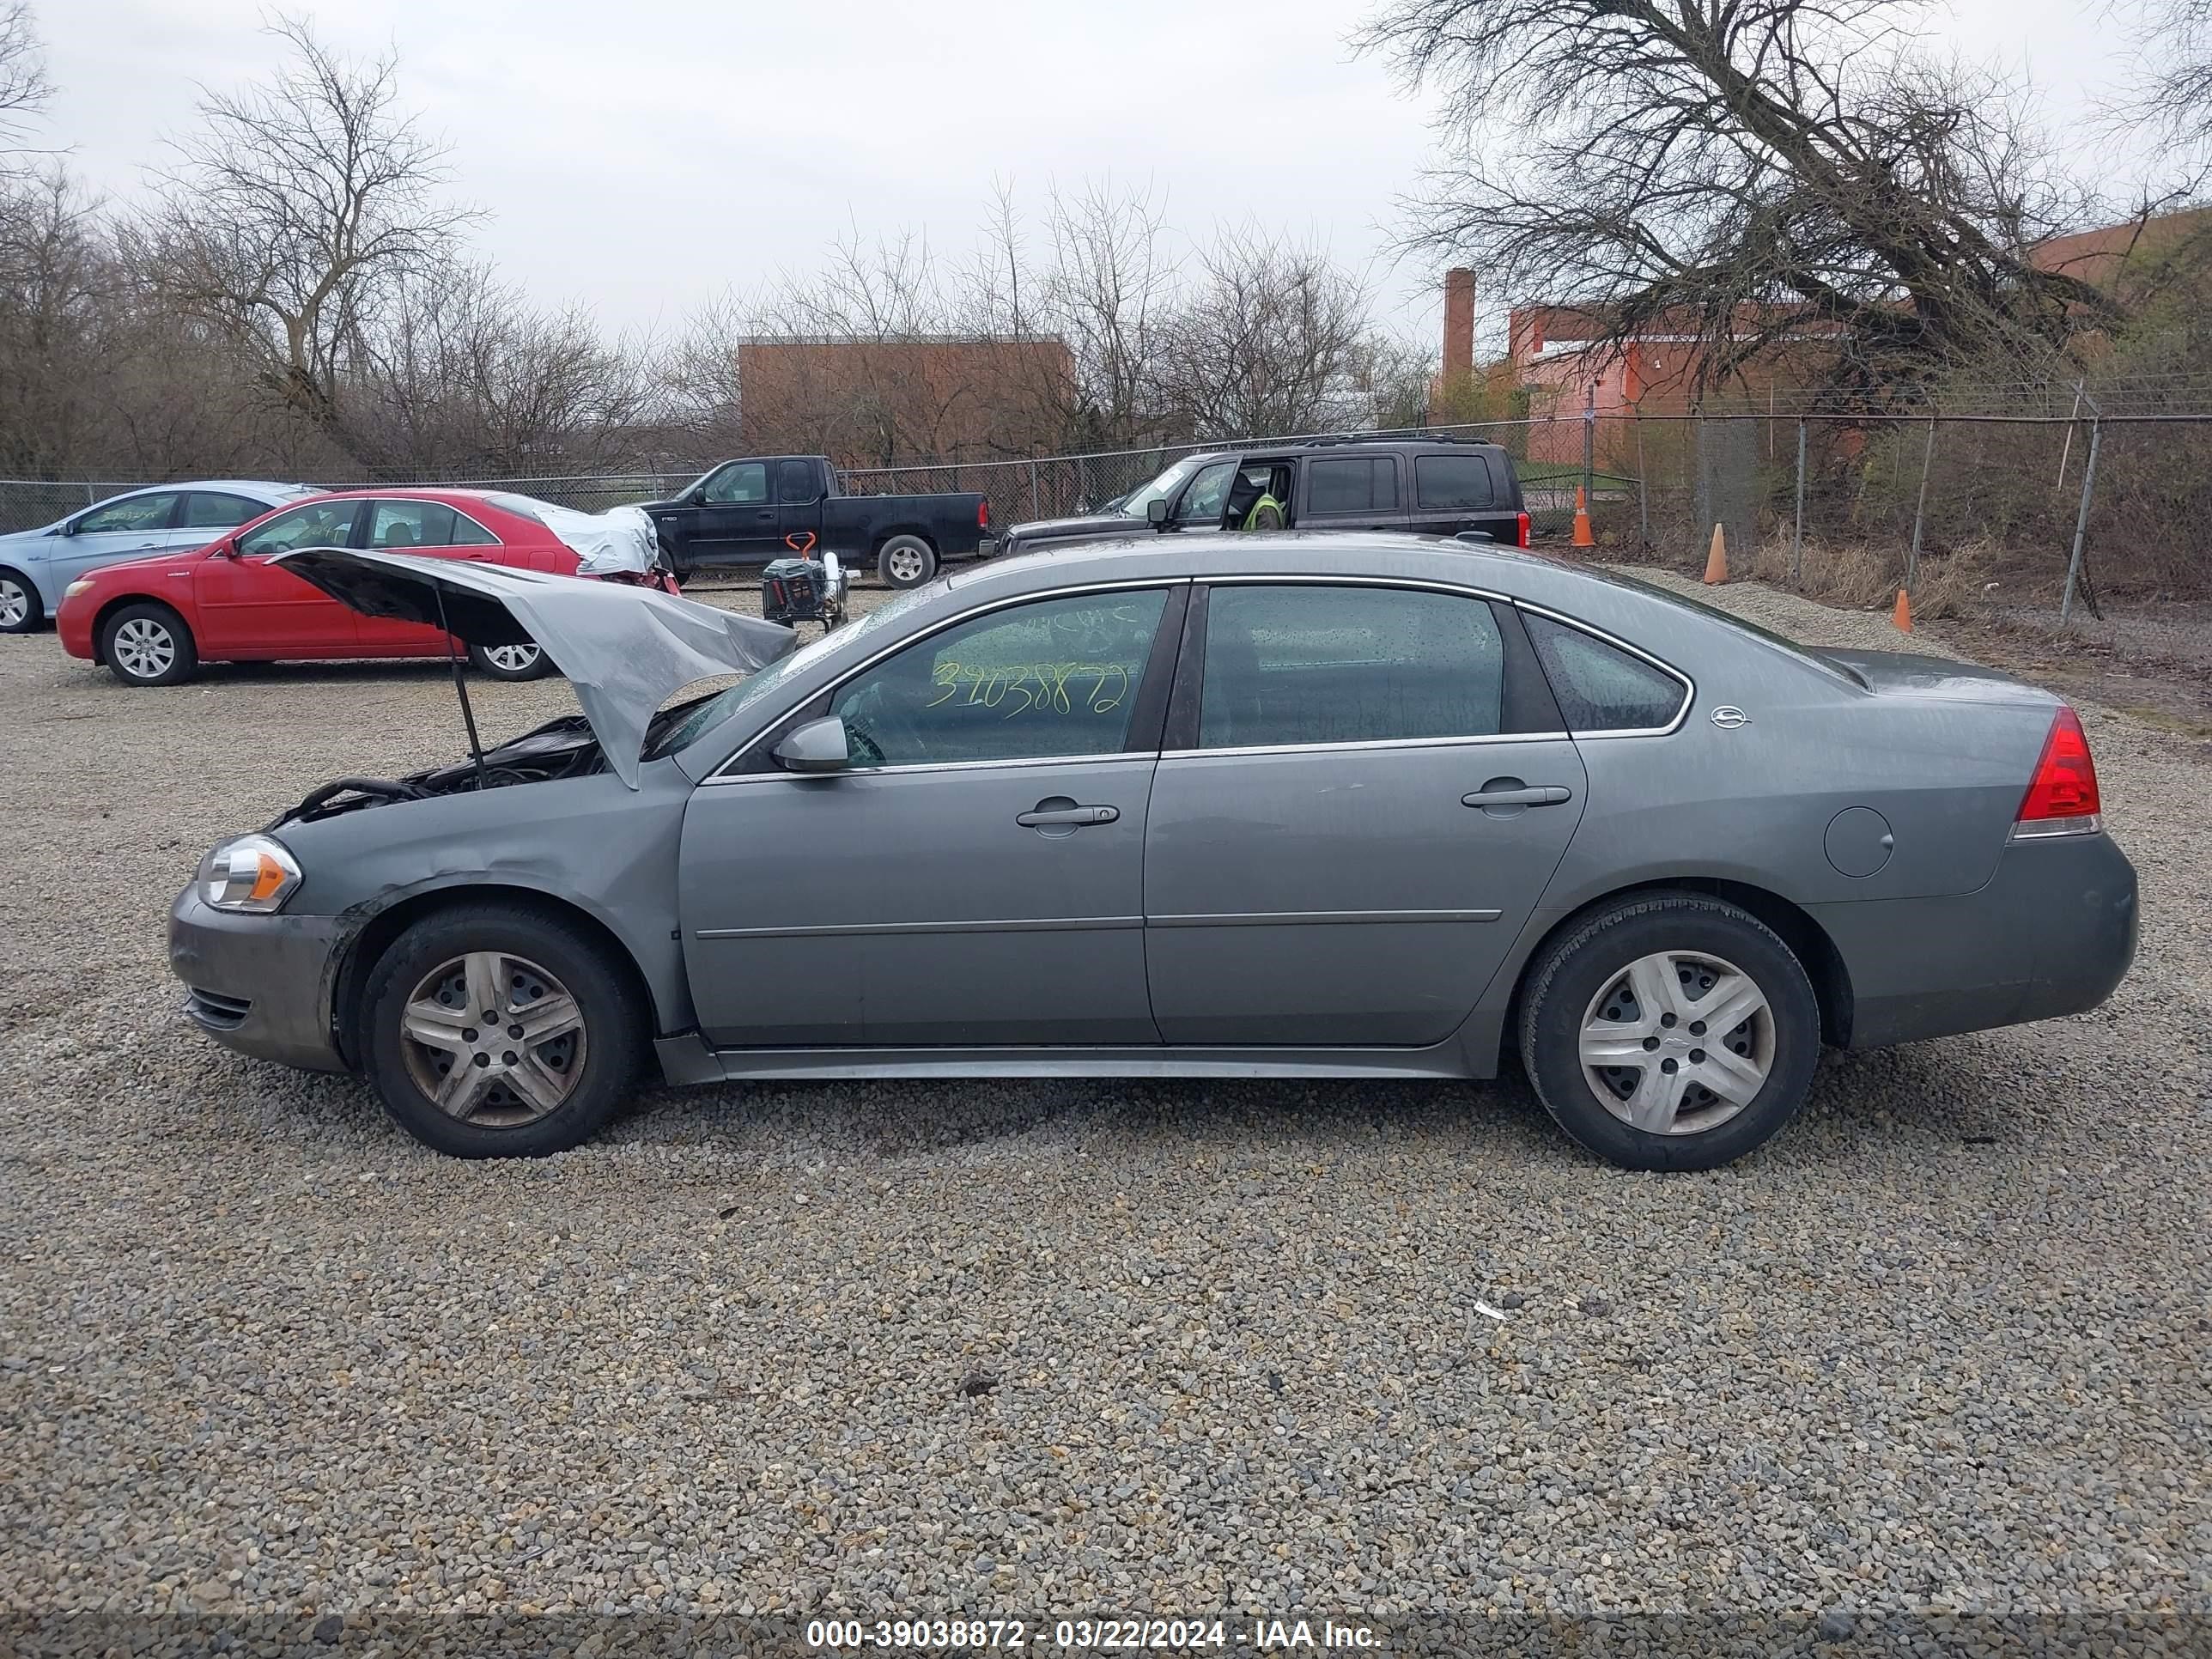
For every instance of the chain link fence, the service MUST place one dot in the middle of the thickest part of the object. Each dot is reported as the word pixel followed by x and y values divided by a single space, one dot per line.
pixel 2061 503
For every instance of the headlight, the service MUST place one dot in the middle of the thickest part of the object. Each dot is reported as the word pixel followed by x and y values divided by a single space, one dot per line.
pixel 81 585
pixel 250 873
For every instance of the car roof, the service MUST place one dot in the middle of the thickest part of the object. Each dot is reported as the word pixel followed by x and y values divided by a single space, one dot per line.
pixel 263 486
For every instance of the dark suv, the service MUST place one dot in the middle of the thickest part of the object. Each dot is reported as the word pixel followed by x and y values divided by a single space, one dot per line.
pixel 1433 486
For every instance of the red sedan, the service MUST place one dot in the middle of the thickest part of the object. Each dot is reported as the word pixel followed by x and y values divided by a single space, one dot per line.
pixel 153 621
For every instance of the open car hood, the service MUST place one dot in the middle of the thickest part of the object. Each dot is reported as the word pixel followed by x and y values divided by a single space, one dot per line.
pixel 625 650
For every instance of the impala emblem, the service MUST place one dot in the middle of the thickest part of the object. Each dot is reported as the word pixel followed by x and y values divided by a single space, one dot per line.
pixel 1727 717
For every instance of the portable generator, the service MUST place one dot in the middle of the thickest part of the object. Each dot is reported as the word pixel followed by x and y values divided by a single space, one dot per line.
pixel 804 590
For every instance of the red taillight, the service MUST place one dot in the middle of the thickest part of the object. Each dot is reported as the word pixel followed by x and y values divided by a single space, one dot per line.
pixel 2063 795
pixel 1521 532
pixel 983 514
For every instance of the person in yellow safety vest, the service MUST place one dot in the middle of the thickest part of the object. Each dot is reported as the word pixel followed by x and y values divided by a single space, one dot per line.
pixel 1266 513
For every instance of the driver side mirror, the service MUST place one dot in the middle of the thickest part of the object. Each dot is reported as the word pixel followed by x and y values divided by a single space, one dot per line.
pixel 816 746
pixel 1156 511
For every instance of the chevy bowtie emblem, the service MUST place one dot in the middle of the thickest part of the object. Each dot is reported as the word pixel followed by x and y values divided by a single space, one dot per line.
pixel 1727 717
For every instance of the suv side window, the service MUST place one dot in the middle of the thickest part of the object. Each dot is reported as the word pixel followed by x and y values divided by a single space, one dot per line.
pixel 1033 682
pixel 1451 481
pixel 1206 496
pixel 1297 664
pixel 1599 687
pixel 741 484
pixel 795 481
pixel 1359 483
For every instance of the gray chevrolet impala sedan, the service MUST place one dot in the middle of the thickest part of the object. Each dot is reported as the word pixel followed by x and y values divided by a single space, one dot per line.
pixel 1253 806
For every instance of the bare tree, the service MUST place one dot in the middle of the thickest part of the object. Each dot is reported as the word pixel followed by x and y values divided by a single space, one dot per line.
pixel 1762 172
pixel 457 372
pixel 286 220
pixel 1269 343
pixel 24 88
pixel 2171 92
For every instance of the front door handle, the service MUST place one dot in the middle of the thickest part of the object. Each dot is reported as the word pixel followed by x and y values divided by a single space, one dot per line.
pixel 1544 794
pixel 1047 814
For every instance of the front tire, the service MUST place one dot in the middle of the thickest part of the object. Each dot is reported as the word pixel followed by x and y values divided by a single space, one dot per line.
pixel 22 611
pixel 906 561
pixel 541 1075
pixel 511 662
pixel 1670 1031
pixel 148 644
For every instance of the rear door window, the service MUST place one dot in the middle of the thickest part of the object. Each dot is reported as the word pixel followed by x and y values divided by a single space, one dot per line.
pixel 1599 687
pixel 1451 481
pixel 1357 483
pixel 209 509
pixel 1288 665
pixel 796 480
pixel 396 526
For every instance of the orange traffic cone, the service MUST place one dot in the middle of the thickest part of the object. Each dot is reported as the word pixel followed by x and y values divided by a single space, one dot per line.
pixel 1903 615
pixel 1583 537
pixel 1716 560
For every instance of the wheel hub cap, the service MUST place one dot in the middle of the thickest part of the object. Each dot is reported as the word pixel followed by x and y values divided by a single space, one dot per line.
pixel 493 1039
pixel 144 648
pixel 1677 1042
pixel 15 604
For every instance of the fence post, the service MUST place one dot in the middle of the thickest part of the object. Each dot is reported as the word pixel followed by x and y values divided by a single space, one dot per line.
pixel 1590 440
pixel 1920 508
pixel 1797 536
pixel 2081 522
pixel 1034 514
pixel 1643 494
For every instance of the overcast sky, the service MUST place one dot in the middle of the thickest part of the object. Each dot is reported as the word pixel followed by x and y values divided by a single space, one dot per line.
pixel 641 157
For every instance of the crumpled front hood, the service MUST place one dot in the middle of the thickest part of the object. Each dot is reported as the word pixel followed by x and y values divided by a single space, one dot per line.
pixel 625 650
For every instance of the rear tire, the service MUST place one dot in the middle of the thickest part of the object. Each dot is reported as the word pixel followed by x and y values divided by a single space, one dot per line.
pixel 511 662
pixel 545 1091
pixel 148 644
pixel 1613 1041
pixel 906 561
pixel 22 611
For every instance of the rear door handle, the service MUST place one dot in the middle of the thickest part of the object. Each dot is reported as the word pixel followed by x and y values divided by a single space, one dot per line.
pixel 1545 794
pixel 1070 816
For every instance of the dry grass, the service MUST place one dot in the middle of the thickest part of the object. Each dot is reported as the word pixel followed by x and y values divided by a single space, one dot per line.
pixel 1864 576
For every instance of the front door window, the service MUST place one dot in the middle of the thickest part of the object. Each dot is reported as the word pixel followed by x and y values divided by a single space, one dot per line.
pixel 1056 677
pixel 319 524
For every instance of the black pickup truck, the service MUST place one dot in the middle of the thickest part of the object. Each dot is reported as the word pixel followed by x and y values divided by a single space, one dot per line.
pixel 1432 486
pixel 762 507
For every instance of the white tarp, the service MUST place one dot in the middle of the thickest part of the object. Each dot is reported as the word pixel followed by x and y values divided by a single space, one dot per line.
pixel 620 540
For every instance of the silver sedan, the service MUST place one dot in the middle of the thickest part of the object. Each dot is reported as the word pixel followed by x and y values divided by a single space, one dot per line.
pixel 1253 806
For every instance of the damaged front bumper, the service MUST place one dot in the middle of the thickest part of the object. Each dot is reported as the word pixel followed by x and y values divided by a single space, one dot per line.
pixel 260 984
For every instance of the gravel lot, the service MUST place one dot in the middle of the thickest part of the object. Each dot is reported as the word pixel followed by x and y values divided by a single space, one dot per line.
pixel 910 1348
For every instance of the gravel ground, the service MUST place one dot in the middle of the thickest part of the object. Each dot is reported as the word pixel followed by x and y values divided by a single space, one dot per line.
pixel 906 1348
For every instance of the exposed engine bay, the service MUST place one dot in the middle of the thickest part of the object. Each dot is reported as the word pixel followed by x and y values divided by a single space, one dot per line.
pixel 559 749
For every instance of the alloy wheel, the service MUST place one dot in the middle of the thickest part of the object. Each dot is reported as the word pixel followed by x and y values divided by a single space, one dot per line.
pixel 1677 1042
pixel 512 658
pixel 145 647
pixel 15 602
pixel 492 1040
pixel 904 564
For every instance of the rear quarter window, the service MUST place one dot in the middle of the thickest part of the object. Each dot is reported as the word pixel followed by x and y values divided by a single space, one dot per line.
pixel 1599 686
